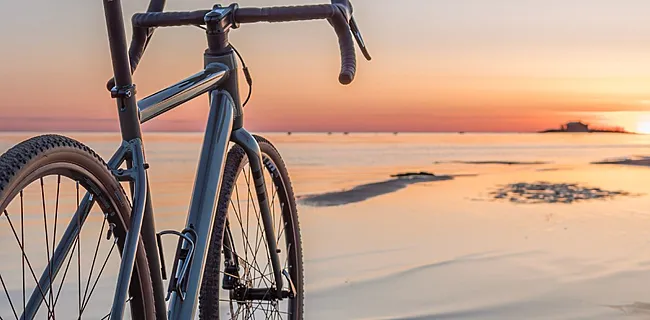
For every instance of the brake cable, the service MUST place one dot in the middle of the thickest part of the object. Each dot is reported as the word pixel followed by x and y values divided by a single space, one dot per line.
pixel 247 74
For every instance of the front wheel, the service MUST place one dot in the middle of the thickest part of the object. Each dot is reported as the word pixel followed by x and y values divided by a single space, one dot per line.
pixel 239 250
pixel 63 222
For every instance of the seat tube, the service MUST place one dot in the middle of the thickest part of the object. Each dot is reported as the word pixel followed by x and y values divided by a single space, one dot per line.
pixel 124 90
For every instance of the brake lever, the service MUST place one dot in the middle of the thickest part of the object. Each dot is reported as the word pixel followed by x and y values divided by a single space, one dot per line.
pixel 357 35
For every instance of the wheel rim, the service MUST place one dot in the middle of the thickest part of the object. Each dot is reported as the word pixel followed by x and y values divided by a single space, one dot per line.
pixel 35 216
pixel 245 231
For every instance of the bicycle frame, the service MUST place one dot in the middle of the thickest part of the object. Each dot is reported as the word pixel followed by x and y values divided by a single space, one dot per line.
pixel 224 125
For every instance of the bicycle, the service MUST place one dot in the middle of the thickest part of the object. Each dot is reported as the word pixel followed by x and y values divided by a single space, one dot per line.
pixel 211 267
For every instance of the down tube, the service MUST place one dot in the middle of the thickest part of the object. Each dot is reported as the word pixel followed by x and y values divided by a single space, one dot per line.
pixel 204 198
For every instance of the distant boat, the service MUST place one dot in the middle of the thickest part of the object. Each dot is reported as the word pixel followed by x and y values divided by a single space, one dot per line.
pixel 395 133
pixel 462 132
pixel 289 133
pixel 329 133
pixel 346 133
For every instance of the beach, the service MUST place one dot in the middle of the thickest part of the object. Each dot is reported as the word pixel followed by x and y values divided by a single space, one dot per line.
pixel 436 243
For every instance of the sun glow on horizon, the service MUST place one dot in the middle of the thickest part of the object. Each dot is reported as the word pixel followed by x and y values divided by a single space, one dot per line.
pixel 643 127
pixel 634 121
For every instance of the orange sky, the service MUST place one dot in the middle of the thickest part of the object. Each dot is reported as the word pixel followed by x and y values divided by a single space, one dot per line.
pixel 464 65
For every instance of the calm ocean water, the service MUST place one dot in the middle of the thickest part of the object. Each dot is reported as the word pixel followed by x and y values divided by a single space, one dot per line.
pixel 439 250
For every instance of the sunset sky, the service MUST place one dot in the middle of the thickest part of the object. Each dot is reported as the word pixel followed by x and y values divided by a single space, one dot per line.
pixel 439 65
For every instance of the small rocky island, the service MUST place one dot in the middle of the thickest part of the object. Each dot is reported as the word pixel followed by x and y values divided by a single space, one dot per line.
pixel 579 126
pixel 546 192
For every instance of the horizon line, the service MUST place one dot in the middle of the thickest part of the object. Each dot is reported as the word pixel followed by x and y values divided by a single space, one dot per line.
pixel 291 132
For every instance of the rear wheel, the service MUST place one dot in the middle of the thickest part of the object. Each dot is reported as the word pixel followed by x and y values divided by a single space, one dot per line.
pixel 51 187
pixel 239 251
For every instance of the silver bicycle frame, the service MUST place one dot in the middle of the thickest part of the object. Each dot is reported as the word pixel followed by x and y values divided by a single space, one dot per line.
pixel 204 198
pixel 219 133
pixel 225 124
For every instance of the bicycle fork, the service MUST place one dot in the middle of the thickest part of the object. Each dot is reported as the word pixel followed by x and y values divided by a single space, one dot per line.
pixel 194 241
pixel 244 139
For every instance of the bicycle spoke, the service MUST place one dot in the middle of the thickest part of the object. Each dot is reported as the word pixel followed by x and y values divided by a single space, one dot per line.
pixel 263 279
pixel 65 273
pixel 22 240
pixel 259 305
pixel 268 309
pixel 246 246
pixel 281 219
pixel 78 253
pixel 248 202
pixel 280 313
pixel 265 275
pixel 246 262
pixel 275 192
pixel 47 245
pixel 230 275
pixel 247 312
pixel 244 235
pixel 239 219
pixel 252 313
pixel 98 276
pixel 256 273
pixel 250 265
pixel 247 243
pixel 56 219
pixel 239 309
pixel 238 214
pixel 92 266
pixel 272 207
pixel 258 239
pixel 272 309
pixel 38 285
pixel 277 242
pixel 276 310
pixel 259 243
pixel 56 212
pixel 8 297
pixel 238 205
pixel 262 240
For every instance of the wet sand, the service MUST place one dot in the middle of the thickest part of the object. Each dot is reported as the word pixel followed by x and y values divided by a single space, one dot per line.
pixel 366 191
pixel 498 162
pixel 450 258
pixel 545 192
pixel 631 161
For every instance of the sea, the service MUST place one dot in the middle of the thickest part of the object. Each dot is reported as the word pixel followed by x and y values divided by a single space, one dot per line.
pixel 425 248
